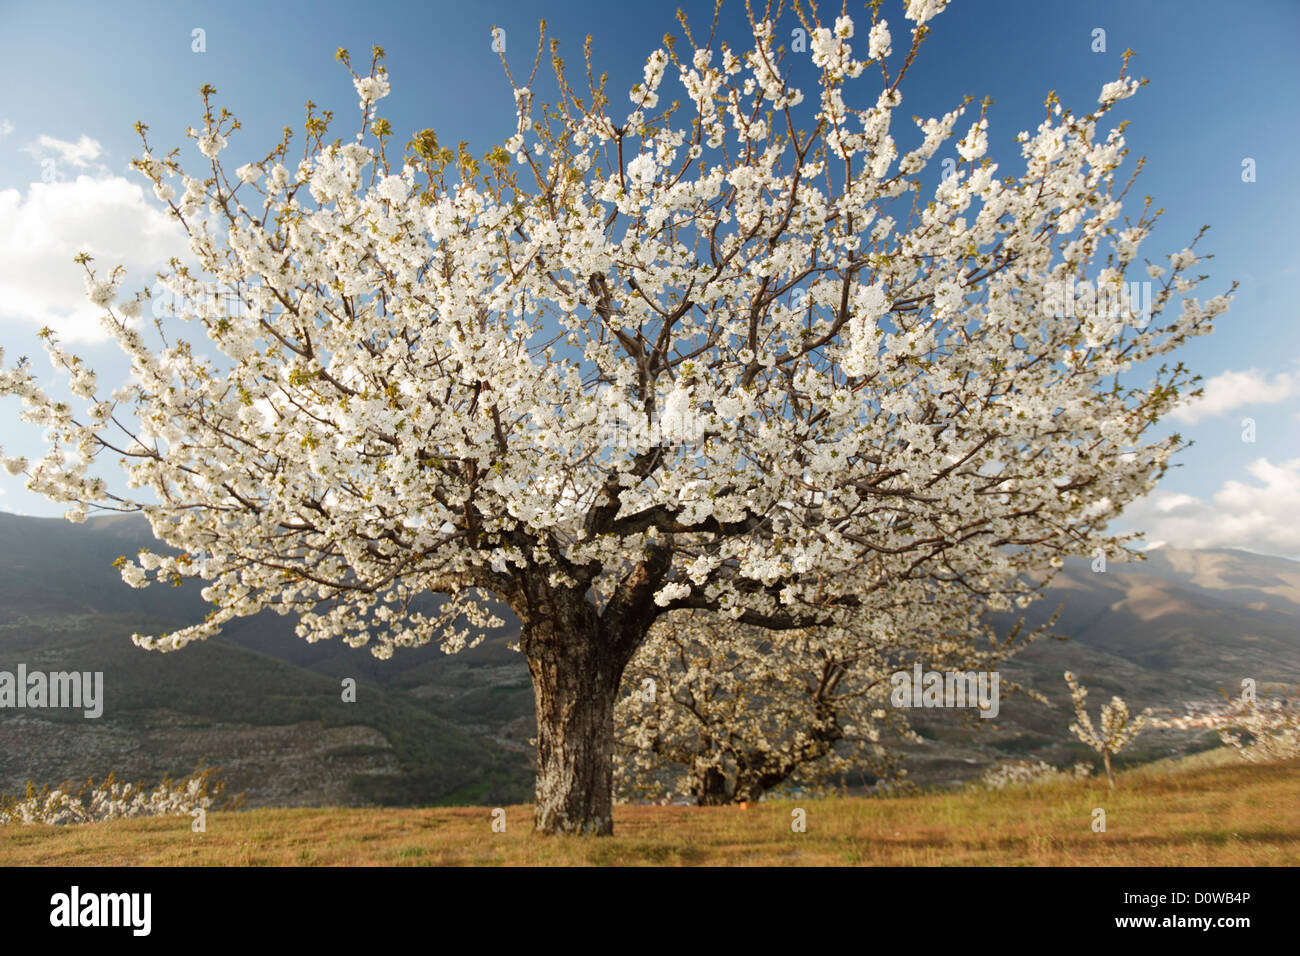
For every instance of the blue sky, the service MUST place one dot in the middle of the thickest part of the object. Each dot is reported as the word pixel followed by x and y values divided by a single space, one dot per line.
pixel 1224 88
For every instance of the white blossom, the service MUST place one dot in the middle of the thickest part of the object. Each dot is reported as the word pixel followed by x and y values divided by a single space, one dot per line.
pixel 371 89
pixel 922 11
pixel 879 41
pixel 211 143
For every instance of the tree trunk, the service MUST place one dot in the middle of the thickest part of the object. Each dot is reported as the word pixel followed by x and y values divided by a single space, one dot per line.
pixel 1110 775
pixel 575 673
pixel 711 788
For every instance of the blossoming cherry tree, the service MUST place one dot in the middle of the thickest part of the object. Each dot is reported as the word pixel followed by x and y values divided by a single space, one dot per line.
pixel 414 395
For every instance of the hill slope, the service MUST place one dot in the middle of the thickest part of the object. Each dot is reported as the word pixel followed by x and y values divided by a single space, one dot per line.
pixel 428 727
pixel 280 731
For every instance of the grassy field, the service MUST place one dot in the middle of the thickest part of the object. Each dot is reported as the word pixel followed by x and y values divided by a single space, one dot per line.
pixel 1209 813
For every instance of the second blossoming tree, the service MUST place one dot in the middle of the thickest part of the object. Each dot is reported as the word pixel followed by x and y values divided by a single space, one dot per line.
pixel 738 352
pixel 725 712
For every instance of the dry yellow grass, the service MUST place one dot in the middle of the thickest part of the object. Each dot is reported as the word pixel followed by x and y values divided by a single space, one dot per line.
pixel 1229 815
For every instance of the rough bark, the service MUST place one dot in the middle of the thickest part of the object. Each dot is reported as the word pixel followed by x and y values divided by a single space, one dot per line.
pixel 576 656
pixel 711 788
pixel 575 675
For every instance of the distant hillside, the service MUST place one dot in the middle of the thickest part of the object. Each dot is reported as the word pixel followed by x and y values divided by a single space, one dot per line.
pixel 1176 627
pixel 280 730
pixel 429 727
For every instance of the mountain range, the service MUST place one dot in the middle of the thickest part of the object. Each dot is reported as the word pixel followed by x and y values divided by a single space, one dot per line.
pixel 429 728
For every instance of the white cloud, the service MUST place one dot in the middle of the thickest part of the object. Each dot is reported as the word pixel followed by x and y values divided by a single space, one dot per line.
pixel 40 233
pixel 1232 390
pixel 1263 516
pixel 6 127
pixel 81 153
